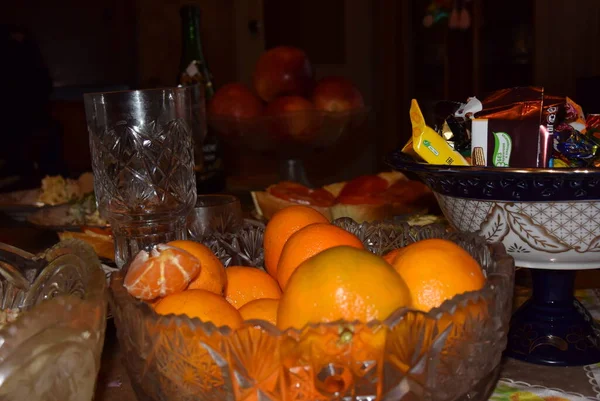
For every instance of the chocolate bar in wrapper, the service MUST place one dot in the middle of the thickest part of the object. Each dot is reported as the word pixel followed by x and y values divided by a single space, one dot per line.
pixel 506 132
pixel 553 113
pixel 574 116
pixel 592 123
pixel 459 134
pixel 456 126
pixel 441 111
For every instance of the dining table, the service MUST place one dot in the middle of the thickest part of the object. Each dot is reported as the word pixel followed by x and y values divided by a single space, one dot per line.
pixel 517 380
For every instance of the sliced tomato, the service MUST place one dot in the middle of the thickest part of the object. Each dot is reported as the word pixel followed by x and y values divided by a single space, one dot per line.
pixel 364 185
pixel 298 193
pixel 363 190
pixel 406 191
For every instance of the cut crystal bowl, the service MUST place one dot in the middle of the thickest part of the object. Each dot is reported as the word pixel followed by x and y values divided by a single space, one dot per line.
pixel 451 353
pixel 290 133
pixel 52 322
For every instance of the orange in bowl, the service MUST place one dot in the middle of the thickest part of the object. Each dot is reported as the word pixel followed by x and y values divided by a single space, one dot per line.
pixel 204 305
pixel 342 282
pixel 261 309
pixel 391 255
pixel 212 276
pixel 308 242
pixel 436 270
pixel 280 228
pixel 162 271
pixel 246 284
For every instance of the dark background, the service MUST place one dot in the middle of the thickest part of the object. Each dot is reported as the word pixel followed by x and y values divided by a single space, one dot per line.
pixel 381 44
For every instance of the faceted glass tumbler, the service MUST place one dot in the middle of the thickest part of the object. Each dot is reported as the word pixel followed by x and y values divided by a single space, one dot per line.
pixel 143 162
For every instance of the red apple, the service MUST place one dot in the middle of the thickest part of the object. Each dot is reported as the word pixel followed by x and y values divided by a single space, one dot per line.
pixel 235 100
pixel 295 116
pixel 283 70
pixel 337 94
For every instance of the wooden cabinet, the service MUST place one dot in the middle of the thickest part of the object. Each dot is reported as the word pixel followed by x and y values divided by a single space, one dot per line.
pixel 567 36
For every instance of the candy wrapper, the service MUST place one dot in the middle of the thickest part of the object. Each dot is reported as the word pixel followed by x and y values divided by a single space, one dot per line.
pixel 516 127
pixel 553 113
pixel 571 148
pixel 574 116
pixel 457 127
pixel 592 124
pixel 428 144
pixel 575 139
pixel 505 133
pixel 441 111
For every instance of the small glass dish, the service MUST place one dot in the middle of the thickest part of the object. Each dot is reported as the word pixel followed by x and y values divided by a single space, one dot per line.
pixel 450 353
pixel 291 137
pixel 219 213
pixel 52 322
pixel 313 129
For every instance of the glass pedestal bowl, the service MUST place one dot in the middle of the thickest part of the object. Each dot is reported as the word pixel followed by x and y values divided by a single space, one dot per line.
pixel 291 137
pixel 549 222
pixel 450 353
pixel 52 322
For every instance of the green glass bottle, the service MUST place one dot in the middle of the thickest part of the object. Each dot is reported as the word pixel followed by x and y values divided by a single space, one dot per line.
pixel 210 174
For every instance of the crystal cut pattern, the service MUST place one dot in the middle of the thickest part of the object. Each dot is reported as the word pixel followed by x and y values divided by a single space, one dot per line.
pixel 450 353
pixel 52 350
pixel 143 168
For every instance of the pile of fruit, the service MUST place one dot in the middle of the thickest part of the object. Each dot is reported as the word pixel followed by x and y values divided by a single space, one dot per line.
pixel 315 272
pixel 284 84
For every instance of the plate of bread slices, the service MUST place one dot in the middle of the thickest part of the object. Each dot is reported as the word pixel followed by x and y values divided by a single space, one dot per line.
pixel 368 198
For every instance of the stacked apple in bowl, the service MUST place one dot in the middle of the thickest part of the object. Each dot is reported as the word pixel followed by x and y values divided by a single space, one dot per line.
pixel 286 104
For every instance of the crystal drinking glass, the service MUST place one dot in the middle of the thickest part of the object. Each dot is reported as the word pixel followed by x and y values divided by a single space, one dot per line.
pixel 143 162
pixel 215 213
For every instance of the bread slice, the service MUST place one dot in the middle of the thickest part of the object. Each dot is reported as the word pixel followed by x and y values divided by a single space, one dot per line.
pixel 266 204
pixel 369 213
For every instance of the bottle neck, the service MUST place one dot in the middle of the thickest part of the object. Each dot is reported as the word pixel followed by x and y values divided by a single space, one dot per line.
pixel 190 34
pixel 192 55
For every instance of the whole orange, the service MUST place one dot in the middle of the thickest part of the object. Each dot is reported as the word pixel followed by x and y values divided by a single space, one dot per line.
pixel 391 255
pixel 212 276
pixel 204 305
pixel 308 242
pixel 280 228
pixel 436 270
pixel 342 282
pixel 261 309
pixel 245 284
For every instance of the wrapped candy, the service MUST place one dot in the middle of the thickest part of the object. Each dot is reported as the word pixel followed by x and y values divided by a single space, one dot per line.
pixel 572 148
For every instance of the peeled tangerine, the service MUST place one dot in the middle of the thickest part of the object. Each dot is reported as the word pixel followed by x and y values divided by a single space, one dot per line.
pixel 162 271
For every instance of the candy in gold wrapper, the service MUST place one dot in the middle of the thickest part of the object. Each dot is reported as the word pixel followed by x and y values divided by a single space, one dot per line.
pixel 428 144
